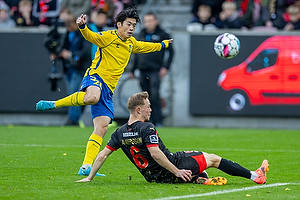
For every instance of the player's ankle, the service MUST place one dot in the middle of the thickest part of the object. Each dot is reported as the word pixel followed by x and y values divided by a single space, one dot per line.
pixel 85 166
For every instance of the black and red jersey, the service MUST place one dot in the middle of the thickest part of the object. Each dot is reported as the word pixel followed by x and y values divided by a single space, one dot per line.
pixel 134 140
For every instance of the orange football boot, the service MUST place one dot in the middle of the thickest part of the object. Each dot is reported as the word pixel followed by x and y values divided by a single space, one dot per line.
pixel 262 172
pixel 211 181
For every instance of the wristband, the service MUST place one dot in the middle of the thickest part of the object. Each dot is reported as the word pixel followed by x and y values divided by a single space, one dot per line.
pixel 82 26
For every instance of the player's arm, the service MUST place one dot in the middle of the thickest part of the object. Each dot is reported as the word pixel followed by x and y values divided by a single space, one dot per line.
pixel 88 34
pixel 162 160
pixel 101 157
pixel 147 47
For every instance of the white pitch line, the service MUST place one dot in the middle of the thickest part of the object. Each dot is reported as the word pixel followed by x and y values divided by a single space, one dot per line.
pixel 226 191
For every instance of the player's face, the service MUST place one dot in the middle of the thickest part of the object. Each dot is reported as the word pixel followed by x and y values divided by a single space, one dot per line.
pixel 146 110
pixel 126 29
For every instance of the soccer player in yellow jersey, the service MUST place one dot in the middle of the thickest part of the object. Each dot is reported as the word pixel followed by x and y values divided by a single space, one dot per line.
pixel 101 78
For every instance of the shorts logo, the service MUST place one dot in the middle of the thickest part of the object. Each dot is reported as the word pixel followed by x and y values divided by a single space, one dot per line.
pixel 153 139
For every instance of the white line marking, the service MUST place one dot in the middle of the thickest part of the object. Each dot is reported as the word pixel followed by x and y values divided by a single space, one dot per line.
pixel 226 191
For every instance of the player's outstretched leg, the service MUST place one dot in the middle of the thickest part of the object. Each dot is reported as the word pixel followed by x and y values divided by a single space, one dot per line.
pixel 75 99
pixel 234 169
pixel 45 105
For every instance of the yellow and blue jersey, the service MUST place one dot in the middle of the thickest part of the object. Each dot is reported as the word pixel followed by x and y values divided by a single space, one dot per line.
pixel 113 54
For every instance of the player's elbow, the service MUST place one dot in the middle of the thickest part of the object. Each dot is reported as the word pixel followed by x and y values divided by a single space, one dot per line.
pixel 155 155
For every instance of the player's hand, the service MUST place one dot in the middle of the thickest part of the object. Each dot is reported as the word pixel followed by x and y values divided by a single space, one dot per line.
pixel 186 175
pixel 87 179
pixel 165 43
pixel 81 20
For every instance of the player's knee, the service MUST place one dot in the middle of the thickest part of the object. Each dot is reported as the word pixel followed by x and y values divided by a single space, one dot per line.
pixel 91 99
pixel 100 131
pixel 216 160
pixel 213 160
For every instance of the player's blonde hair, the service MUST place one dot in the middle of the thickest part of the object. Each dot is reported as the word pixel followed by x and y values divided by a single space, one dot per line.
pixel 136 100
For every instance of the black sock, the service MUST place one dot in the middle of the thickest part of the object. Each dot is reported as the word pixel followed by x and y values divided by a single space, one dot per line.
pixel 234 169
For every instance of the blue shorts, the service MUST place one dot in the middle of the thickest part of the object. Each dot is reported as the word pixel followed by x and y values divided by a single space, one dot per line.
pixel 104 107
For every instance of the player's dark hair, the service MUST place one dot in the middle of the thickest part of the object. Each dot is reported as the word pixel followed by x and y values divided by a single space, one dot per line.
pixel 136 100
pixel 130 12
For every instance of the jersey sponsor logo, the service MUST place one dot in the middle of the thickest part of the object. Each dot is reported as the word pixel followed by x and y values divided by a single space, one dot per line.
pixel 132 141
pixel 153 139
pixel 117 46
pixel 152 129
pixel 130 134
pixel 100 33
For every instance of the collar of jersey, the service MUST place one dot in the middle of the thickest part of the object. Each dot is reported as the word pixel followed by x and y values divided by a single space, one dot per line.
pixel 119 36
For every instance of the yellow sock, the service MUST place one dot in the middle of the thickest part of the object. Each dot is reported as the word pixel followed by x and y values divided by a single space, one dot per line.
pixel 75 99
pixel 92 149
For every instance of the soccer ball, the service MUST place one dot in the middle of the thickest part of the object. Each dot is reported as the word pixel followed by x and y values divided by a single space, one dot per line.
pixel 227 45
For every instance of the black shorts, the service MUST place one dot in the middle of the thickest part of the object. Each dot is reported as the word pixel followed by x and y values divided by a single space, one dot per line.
pixel 189 160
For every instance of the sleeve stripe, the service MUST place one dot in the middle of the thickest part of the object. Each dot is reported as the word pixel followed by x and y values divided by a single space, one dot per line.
pixel 110 148
pixel 163 46
pixel 152 145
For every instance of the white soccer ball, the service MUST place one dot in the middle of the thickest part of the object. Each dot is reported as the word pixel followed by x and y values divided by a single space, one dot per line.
pixel 227 45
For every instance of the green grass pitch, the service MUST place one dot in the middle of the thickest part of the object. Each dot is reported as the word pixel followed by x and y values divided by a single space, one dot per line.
pixel 42 163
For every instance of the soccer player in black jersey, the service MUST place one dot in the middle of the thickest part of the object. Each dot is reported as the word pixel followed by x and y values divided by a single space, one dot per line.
pixel 139 140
